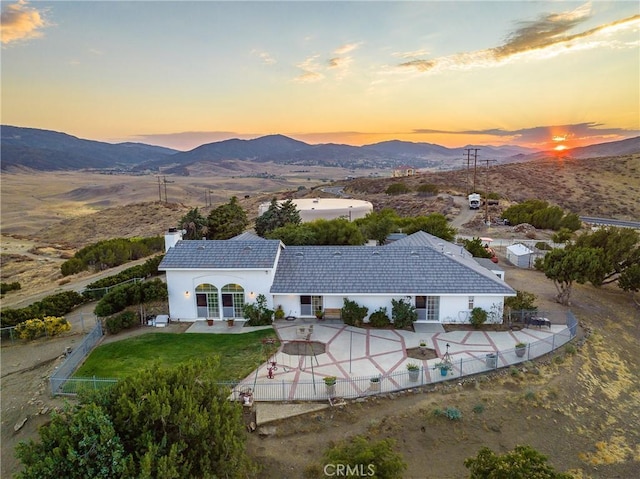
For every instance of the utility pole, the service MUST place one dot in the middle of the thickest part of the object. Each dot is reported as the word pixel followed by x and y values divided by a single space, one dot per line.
pixel 159 190
pixel 486 191
pixel 475 164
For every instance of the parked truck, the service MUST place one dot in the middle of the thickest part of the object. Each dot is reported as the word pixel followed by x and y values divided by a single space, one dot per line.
pixel 474 201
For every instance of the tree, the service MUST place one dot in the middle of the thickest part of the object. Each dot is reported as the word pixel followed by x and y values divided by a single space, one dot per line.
pixel 78 443
pixel 523 462
pixel 338 231
pixel 569 265
pixel 276 216
pixel 397 189
pixel 404 314
pixel 476 248
pixel 226 221
pixel 435 224
pixel 257 313
pixel 378 225
pixel 159 423
pixel 620 248
pixel 192 223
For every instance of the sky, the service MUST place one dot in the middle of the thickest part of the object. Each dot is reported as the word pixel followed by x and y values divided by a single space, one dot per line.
pixel 543 74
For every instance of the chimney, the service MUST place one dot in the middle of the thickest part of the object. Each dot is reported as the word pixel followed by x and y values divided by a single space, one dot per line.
pixel 171 237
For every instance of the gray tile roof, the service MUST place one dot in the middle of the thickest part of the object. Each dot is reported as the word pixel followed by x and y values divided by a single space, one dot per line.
pixel 200 254
pixel 381 270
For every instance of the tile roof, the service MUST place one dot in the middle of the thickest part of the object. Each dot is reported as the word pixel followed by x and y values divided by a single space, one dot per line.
pixel 214 254
pixel 381 270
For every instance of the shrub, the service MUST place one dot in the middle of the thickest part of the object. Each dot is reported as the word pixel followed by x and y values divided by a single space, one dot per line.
pixel 373 458
pixel 379 318
pixel 570 349
pixel 453 414
pixel 478 408
pixel 117 323
pixel 352 314
pixel 257 313
pixel 57 304
pixel 403 313
pixel 523 461
pixel 50 326
pixel 129 294
pixel 397 189
pixel 428 190
pixel 6 287
pixel 478 317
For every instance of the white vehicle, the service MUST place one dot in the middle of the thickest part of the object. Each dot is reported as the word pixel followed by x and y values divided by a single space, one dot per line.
pixel 474 201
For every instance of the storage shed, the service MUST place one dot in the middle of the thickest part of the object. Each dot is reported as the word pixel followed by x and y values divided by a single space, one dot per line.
pixel 519 255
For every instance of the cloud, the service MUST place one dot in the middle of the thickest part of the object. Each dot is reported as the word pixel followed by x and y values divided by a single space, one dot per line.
pixel 542 38
pixel 347 48
pixel 266 57
pixel 540 135
pixel 20 22
pixel 311 71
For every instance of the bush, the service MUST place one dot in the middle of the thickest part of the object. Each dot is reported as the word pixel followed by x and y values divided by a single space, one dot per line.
pixel 523 461
pixel 49 326
pixel 149 268
pixel 478 317
pixel 257 313
pixel 397 189
pixel 6 287
pixel 125 320
pixel 352 314
pixel 379 318
pixel 428 190
pixel 403 313
pixel 129 294
pixel 57 304
pixel 372 458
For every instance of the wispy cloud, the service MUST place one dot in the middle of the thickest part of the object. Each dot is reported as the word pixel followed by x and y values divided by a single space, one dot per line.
pixel 545 37
pixel 266 57
pixel 313 70
pixel 540 135
pixel 19 21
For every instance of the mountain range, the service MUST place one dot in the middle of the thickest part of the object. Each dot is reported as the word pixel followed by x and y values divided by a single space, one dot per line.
pixel 50 151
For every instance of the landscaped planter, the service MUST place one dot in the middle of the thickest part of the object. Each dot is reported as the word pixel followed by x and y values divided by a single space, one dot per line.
pixel 230 322
pixel 374 384
pixel 210 322
pixel 414 375
pixel 521 349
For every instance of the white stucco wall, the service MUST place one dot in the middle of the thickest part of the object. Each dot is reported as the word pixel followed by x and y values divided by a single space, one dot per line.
pixel 182 306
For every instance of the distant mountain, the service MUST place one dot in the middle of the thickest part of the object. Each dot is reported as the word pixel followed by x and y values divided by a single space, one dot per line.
pixel 50 150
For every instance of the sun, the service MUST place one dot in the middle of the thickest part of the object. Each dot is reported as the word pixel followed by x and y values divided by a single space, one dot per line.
pixel 560 148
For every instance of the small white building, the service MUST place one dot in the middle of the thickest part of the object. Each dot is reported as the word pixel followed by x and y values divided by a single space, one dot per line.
pixel 519 255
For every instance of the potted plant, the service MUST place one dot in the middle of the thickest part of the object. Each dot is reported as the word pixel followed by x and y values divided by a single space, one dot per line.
pixel 319 313
pixel 414 372
pixel 279 312
pixel 210 321
pixel 444 367
pixel 230 322
pixel 521 348
pixel 374 383
pixel 423 346
pixel 330 383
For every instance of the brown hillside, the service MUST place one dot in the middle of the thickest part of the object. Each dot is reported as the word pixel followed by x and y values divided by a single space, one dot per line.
pixel 605 187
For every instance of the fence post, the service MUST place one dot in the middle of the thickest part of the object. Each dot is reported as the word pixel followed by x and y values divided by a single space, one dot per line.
pixel 284 394
pixel 460 367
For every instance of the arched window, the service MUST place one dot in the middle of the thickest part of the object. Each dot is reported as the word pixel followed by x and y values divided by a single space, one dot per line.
pixel 207 301
pixel 232 300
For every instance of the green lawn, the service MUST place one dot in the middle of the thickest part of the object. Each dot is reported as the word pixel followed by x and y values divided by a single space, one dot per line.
pixel 239 353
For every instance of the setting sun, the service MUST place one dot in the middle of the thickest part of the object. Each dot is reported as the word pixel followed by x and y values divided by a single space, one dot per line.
pixel 560 148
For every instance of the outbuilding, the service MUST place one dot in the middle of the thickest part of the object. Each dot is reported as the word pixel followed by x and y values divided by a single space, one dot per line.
pixel 519 255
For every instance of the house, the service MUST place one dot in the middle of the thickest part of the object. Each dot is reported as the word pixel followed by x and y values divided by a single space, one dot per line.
pixel 519 255
pixel 213 279
pixel 404 170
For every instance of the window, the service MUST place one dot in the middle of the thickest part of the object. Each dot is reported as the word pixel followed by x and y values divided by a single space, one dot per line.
pixel 232 300
pixel 471 299
pixel 207 301
pixel 310 304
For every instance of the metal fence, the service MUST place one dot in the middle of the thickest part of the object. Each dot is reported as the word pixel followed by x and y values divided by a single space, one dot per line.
pixel 61 375
pixel 354 387
pixel 97 293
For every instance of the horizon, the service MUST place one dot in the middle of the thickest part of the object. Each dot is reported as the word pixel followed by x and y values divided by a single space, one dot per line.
pixel 550 75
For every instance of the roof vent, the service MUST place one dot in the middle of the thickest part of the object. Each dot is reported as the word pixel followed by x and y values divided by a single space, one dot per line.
pixel 337 253
pixel 299 253
pixel 414 253
pixel 441 247
pixel 201 246
pixel 376 253
pixel 247 248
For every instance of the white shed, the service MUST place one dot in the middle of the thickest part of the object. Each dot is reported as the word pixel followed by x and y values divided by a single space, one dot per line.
pixel 519 255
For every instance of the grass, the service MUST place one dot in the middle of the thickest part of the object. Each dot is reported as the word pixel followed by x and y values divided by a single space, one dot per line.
pixel 239 353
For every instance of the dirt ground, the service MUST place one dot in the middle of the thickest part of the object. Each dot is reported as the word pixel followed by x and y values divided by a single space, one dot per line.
pixel 580 410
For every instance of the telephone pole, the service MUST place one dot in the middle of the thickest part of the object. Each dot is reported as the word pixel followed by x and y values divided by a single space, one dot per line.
pixel 486 191
pixel 475 166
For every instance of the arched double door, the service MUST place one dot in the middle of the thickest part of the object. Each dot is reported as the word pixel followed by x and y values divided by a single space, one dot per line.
pixel 212 302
